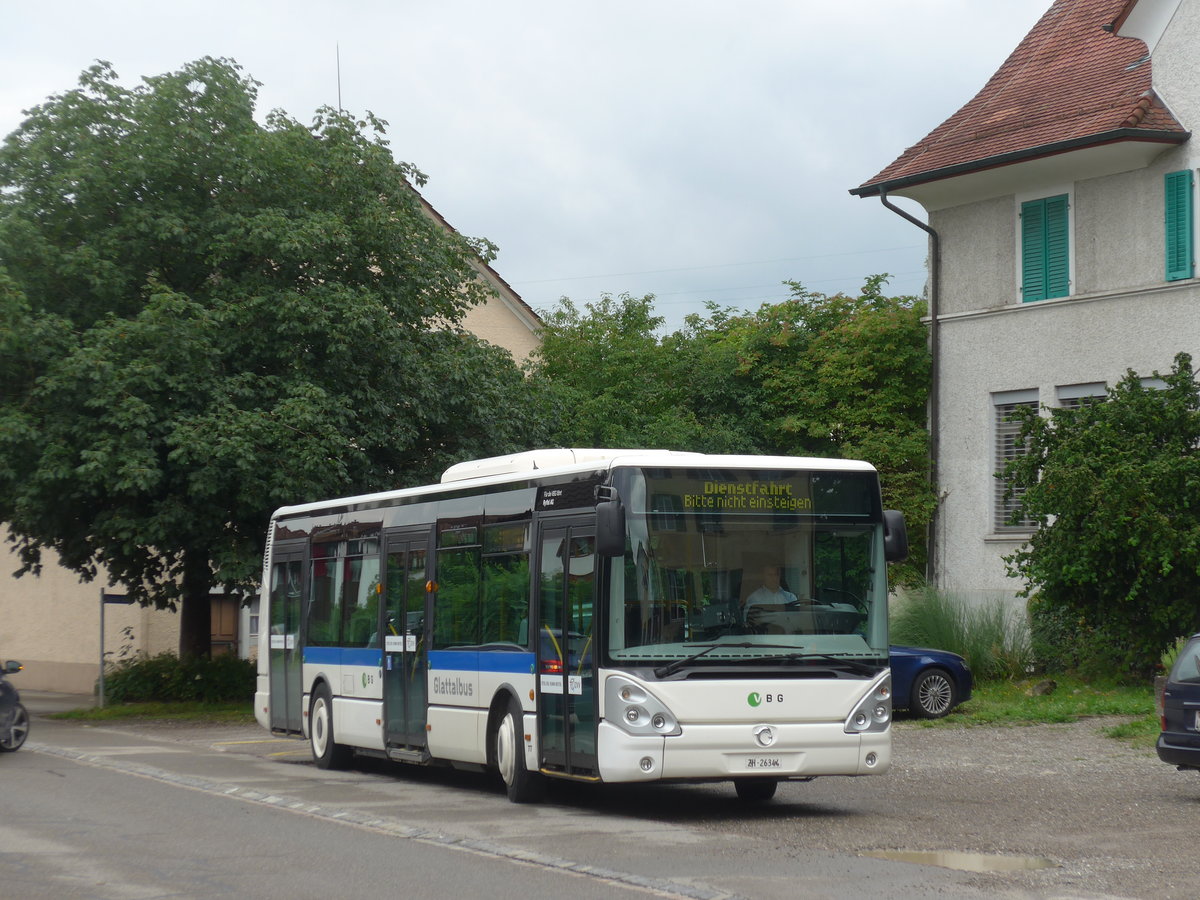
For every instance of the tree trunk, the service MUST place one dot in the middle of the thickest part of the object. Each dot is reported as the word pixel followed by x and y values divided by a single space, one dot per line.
pixel 195 615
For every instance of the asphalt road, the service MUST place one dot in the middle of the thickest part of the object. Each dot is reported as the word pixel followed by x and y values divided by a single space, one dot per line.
pixel 1106 820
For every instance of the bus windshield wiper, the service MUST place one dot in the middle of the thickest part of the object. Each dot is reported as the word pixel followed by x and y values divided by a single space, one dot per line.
pixel 672 667
pixel 853 665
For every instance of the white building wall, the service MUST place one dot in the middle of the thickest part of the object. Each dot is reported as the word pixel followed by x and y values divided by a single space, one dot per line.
pixel 51 624
pixel 1122 315
pixel 1040 346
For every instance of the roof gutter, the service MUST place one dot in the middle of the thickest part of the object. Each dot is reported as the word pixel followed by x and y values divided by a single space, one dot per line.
pixel 1007 159
pixel 934 415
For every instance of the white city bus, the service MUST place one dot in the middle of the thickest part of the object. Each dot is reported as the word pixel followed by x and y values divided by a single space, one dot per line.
pixel 596 615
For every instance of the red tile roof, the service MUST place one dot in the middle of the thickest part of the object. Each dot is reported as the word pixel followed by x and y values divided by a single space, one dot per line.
pixel 1069 83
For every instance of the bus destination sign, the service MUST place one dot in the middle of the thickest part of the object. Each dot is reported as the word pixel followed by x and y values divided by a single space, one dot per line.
pixel 748 495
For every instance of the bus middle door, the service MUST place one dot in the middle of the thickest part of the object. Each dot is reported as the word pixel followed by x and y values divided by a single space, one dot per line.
pixel 403 626
pixel 566 652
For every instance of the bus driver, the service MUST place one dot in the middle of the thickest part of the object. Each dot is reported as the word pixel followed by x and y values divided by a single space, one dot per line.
pixel 772 595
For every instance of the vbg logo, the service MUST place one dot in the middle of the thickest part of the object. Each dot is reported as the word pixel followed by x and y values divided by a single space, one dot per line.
pixel 754 698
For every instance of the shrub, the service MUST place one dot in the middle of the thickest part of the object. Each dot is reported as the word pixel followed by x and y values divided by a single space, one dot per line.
pixel 1167 660
pixel 1114 488
pixel 1063 640
pixel 168 678
pixel 992 638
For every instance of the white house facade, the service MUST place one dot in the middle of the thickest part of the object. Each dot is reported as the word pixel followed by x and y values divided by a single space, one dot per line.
pixel 1061 202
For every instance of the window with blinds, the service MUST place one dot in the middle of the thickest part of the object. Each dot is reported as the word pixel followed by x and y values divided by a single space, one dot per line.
pixel 1073 396
pixel 1008 446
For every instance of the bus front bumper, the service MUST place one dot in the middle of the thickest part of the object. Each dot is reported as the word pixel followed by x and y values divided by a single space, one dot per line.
pixel 717 752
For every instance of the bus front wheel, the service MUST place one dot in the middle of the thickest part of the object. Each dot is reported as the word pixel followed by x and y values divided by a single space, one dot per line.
pixel 327 753
pixel 755 790
pixel 522 785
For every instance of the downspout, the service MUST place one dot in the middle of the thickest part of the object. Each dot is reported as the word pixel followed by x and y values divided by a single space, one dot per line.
pixel 935 278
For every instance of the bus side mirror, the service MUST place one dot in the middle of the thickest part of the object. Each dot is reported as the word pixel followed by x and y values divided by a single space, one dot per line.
pixel 895 536
pixel 610 528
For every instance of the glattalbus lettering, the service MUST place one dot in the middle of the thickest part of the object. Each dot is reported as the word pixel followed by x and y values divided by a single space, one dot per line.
pixel 453 687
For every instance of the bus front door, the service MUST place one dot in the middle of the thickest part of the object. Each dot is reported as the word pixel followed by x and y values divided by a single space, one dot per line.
pixel 566 651
pixel 402 624
pixel 283 649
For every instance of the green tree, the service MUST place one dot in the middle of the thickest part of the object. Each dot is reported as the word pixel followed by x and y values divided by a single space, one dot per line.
pixel 845 376
pixel 840 376
pixel 205 317
pixel 1114 487
pixel 608 380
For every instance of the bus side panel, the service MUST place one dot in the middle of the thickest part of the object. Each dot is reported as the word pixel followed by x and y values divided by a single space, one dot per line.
pixel 457 733
pixel 362 674
pixel 358 722
pixel 455 706
pixel 358 703
pixel 462 684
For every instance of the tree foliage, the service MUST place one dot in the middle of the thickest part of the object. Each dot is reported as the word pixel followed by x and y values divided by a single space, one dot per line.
pixel 205 317
pixel 1114 488
pixel 815 375
pixel 609 379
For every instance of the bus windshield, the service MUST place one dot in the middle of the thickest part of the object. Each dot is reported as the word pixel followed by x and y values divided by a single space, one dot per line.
pixel 732 566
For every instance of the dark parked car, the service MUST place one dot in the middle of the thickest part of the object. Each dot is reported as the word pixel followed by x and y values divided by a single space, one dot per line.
pixel 14 720
pixel 1179 709
pixel 929 683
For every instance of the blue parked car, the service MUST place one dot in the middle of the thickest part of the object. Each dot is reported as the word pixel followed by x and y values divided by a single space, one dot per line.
pixel 929 683
pixel 1179 709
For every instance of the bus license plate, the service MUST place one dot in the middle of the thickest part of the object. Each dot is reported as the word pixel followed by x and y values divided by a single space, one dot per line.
pixel 759 763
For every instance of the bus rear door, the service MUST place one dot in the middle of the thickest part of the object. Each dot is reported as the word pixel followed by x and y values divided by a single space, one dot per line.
pixel 284 657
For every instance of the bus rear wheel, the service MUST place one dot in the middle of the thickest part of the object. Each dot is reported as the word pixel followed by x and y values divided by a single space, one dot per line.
pixel 755 790
pixel 327 753
pixel 522 785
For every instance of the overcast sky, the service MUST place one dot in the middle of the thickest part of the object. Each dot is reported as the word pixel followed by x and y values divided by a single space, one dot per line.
pixel 689 149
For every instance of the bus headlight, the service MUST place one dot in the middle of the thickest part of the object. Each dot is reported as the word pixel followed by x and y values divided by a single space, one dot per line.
pixel 874 712
pixel 635 710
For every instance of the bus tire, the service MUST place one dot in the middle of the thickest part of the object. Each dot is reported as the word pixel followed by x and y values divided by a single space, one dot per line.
pixel 17 730
pixel 755 790
pixel 522 785
pixel 327 753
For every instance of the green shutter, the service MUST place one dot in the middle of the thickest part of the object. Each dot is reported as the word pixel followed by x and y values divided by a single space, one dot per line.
pixel 1033 251
pixel 1058 269
pixel 1045 249
pixel 1177 205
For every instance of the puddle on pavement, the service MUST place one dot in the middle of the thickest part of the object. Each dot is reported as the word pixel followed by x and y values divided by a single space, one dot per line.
pixel 966 862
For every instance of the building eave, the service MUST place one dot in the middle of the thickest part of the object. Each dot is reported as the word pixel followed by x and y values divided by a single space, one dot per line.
pixel 1139 135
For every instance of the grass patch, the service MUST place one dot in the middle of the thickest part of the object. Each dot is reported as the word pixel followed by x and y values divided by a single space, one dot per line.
pixel 1141 732
pixel 1075 698
pixel 227 713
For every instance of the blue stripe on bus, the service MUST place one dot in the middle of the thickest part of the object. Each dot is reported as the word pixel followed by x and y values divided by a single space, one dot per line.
pixel 344 656
pixel 482 661
pixel 456 660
